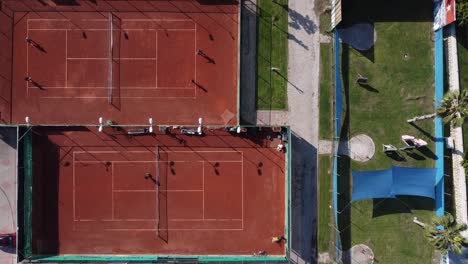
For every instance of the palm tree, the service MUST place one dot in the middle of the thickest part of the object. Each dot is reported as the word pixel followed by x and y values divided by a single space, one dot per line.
pixel 453 108
pixel 445 234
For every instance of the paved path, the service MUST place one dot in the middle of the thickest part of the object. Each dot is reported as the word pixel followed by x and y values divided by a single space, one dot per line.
pixel 459 179
pixel 303 117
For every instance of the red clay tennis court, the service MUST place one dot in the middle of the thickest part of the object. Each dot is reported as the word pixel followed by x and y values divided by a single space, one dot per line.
pixel 124 61
pixel 168 193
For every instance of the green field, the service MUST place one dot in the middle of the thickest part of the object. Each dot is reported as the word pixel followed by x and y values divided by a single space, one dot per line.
pixel 401 85
pixel 272 52
pixel 462 37
pixel 325 126
pixel 325 201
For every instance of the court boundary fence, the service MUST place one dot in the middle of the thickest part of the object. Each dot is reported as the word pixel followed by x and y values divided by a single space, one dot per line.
pixel 25 231
pixel 439 91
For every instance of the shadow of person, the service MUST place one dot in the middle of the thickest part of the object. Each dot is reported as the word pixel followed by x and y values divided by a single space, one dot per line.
pixel 369 88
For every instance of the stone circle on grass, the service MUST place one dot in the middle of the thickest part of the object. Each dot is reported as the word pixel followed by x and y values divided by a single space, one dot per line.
pixel 359 254
pixel 359 148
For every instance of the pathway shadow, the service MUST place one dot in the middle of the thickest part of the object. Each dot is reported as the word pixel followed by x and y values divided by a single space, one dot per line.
pixel 303 200
pixel 248 63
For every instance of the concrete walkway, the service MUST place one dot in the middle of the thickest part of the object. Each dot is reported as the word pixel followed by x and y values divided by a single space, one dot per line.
pixel 303 117
pixel 459 179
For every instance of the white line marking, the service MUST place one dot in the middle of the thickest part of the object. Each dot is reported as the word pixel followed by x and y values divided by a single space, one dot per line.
pixel 205 219
pixel 203 186
pixel 242 189
pixel 124 87
pixel 106 97
pixel 106 20
pixel 91 58
pixel 152 191
pixel 173 229
pixel 156 54
pixel 147 151
pixel 155 220
pixel 102 29
pixel 27 58
pixel 152 161
pixel 66 61
pixel 74 207
pixel 195 52
pixel 112 189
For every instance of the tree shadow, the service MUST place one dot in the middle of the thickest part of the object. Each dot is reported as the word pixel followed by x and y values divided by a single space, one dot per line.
pixel 427 134
pixel 299 21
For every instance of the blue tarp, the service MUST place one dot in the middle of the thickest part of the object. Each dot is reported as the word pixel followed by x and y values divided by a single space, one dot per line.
pixel 394 181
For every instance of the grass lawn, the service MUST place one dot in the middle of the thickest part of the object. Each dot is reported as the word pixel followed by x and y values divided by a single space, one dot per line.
pixel 325 126
pixel 325 200
pixel 399 88
pixel 272 51
pixel 462 37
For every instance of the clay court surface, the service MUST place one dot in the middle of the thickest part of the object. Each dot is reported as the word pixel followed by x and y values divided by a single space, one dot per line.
pixel 221 193
pixel 124 61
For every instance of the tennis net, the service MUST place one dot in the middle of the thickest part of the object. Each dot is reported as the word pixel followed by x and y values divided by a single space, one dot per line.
pixel 161 182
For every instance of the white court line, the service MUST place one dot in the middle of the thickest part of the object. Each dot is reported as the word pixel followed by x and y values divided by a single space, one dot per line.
pixel 123 97
pixel 156 54
pixel 146 151
pixel 74 209
pixel 155 19
pixel 150 191
pixel 195 52
pixel 155 220
pixel 206 219
pixel 242 190
pixel 107 20
pixel 27 59
pixel 112 190
pixel 101 29
pixel 173 229
pixel 152 161
pixel 122 87
pixel 90 58
pixel 203 186
pixel 66 61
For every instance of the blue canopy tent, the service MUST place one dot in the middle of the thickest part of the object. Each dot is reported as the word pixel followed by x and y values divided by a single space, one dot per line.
pixel 392 182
